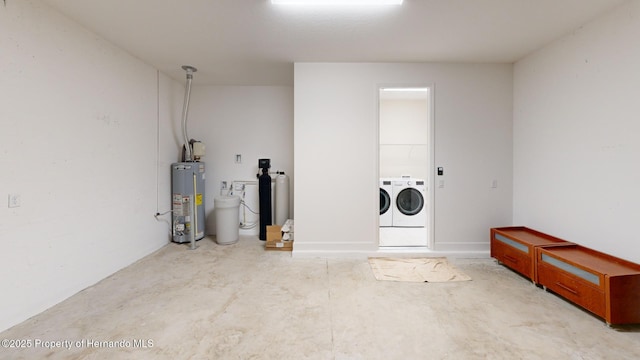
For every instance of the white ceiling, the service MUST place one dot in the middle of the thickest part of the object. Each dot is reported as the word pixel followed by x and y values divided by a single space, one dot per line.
pixel 252 42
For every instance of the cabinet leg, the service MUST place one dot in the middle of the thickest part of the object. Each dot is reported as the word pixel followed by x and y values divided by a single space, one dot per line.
pixel 544 288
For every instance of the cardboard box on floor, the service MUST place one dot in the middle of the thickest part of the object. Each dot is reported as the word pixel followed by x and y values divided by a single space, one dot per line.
pixel 274 239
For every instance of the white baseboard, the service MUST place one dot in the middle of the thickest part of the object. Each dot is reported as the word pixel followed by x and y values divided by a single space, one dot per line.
pixel 333 249
pixel 416 251
pixel 364 250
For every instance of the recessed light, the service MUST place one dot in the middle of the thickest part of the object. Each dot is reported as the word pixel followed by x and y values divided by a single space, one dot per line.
pixel 337 2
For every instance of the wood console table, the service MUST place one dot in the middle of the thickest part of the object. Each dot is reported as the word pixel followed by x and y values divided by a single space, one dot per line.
pixel 605 285
pixel 515 247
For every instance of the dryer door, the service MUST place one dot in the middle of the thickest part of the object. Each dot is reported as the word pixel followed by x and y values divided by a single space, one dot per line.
pixel 410 201
pixel 385 201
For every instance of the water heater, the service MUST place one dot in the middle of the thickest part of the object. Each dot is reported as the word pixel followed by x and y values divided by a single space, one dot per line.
pixel 187 181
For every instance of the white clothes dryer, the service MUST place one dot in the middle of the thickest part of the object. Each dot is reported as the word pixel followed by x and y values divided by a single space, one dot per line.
pixel 409 206
pixel 386 193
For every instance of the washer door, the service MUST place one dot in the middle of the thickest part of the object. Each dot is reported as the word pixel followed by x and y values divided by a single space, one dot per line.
pixel 385 201
pixel 410 201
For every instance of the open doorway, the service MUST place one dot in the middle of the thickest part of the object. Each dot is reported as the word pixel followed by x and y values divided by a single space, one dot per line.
pixel 405 119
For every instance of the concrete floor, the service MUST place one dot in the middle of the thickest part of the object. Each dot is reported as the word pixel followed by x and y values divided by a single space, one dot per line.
pixel 240 302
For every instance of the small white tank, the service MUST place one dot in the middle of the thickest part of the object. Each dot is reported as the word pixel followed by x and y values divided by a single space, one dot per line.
pixel 227 219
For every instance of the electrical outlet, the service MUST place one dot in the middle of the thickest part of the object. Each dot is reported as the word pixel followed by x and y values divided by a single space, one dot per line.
pixel 238 158
pixel 14 200
pixel 223 185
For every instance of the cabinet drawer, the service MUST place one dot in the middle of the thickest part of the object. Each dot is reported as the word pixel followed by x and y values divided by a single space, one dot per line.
pixel 505 241
pixel 587 277
pixel 515 247
pixel 514 255
pixel 516 260
pixel 572 287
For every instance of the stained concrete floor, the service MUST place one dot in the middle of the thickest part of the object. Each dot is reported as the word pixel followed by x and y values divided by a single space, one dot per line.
pixel 240 302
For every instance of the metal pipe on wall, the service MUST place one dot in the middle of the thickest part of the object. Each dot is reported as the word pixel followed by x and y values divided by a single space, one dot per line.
pixel 185 109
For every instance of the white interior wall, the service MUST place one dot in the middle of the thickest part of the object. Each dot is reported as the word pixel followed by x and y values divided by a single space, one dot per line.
pixel 336 147
pixel 404 138
pixel 79 142
pixel 170 142
pixel 576 133
pixel 253 121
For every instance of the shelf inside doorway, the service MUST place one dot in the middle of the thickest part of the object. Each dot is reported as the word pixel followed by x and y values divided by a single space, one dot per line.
pixel 403 236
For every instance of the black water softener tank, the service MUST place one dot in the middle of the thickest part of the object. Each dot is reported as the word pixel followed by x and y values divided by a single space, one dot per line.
pixel 264 193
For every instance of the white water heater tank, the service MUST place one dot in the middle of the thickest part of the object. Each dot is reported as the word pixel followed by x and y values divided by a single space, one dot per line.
pixel 281 198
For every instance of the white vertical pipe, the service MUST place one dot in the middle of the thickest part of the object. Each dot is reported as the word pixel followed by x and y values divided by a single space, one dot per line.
pixel 194 222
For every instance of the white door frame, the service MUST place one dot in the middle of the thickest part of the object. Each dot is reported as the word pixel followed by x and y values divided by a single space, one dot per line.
pixel 431 168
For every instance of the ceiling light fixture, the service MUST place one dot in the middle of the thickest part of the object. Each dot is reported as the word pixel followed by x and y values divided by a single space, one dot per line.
pixel 337 2
pixel 405 89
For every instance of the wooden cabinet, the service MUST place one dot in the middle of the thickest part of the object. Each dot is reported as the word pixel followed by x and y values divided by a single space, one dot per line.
pixel 515 247
pixel 605 285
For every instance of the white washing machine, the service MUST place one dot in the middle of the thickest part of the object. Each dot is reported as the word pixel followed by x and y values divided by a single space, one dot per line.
pixel 386 211
pixel 409 206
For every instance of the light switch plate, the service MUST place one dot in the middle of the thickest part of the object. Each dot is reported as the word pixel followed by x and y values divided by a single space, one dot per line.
pixel 14 200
